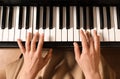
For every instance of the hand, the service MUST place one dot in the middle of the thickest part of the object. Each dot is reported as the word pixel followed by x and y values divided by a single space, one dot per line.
pixel 89 58
pixel 33 60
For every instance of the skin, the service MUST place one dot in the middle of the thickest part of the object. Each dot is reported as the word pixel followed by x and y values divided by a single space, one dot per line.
pixel 33 60
pixel 88 59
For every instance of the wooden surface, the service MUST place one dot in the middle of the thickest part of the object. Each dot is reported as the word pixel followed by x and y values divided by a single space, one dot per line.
pixel 112 56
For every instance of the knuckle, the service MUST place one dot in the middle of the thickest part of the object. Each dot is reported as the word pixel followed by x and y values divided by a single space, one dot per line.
pixel 33 42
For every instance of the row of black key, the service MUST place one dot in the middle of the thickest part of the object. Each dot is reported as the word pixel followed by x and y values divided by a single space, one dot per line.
pixel 85 17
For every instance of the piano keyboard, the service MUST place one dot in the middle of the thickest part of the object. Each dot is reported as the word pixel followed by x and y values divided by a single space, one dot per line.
pixel 60 24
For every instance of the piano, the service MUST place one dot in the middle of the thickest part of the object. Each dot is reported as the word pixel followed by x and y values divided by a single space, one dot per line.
pixel 59 20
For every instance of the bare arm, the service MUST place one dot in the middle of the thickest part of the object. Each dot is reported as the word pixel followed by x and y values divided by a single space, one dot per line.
pixel 2 74
pixel 88 59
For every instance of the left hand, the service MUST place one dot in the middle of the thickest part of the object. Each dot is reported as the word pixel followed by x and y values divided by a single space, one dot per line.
pixel 33 60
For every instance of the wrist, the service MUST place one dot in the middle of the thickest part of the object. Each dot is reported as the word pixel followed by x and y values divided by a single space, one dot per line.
pixel 27 75
pixel 95 75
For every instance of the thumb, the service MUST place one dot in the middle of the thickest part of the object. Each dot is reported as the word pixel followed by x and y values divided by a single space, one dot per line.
pixel 77 51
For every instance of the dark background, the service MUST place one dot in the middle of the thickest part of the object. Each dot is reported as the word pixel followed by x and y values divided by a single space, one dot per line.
pixel 112 57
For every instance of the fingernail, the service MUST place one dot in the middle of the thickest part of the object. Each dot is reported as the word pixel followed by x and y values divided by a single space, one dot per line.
pixel 18 39
pixel 51 49
pixel 42 35
pixel 75 44
pixel 81 29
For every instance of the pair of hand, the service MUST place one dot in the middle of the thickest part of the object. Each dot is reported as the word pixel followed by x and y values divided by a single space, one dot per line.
pixel 88 59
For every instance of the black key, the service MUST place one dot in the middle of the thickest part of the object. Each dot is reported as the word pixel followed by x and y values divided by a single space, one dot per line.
pixel 91 18
pixel 10 17
pixel 38 18
pixel 44 17
pixel 78 17
pixel 4 17
pixel 61 17
pixel 84 18
pixel 101 18
pixel 118 16
pixel 108 17
pixel 20 17
pixel 27 17
pixel 67 17
pixel 51 18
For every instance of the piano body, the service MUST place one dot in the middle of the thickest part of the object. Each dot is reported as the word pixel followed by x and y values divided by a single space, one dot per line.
pixel 59 20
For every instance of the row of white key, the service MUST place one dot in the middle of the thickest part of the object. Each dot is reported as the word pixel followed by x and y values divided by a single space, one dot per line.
pixel 57 34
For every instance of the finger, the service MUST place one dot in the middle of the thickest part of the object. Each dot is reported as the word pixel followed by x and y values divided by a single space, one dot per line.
pixel 22 49
pixel 96 41
pixel 48 56
pixel 27 44
pixel 34 40
pixel 40 43
pixel 77 51
pixel 84 40
pixel 92 48
pixel 87 34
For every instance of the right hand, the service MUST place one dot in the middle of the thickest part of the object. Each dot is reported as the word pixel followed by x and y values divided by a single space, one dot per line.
pixel 89 58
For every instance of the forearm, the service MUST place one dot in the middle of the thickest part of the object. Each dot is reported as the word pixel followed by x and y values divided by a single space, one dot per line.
pixel 93 76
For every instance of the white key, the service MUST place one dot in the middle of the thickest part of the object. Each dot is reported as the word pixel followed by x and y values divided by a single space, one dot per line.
pixel 100 31
pixel 64 30
pixel 94 18
pixel 46 31
pixel 23 30
pixel 17 30
pixel 58 31
pixel 112 30
pixel 5 31
pixel 81 18
pixel 41 20
pixel 52 31
pixel 70 31
pixel 117 31
pixel 105 30
pixel 12 30
pixel 1 31
pixel 30 30
pixel 87 18
pixel 34 20
pixel 1 34
pixel 76 31
pixel 1 11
